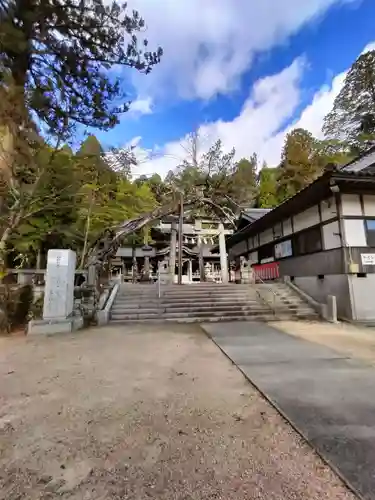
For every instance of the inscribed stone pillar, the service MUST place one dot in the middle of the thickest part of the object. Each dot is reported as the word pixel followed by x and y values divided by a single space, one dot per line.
pixel 59 290
pixel 223 254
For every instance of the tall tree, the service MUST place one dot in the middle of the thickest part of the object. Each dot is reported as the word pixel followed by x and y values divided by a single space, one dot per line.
pixel 56 55
pixel 267 192
pixel 244 181
pixel 300 163
pixel 352 118
pixel 54 64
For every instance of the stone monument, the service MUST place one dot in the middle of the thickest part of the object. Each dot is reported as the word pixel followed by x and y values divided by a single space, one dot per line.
pixel 247 275
pixel 58 295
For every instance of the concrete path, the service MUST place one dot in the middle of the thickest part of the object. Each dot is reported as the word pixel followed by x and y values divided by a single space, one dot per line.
pixel 327 395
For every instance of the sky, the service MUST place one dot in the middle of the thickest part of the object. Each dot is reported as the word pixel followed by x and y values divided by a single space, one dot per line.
pixel 243 71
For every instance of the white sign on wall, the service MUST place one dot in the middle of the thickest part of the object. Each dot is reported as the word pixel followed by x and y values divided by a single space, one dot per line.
pixel 283 249
pixel 368 259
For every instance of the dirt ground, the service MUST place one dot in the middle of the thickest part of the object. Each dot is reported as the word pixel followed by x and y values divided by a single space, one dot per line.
pixel 144 412
pixel 354 340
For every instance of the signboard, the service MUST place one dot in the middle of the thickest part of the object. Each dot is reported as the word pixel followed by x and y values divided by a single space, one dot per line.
pixel 283 249
pixel 368 259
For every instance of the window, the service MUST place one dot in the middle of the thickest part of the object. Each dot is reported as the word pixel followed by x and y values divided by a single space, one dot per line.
pixel 370 227
pixel 308 242
pixel 277 232
pixel 265 252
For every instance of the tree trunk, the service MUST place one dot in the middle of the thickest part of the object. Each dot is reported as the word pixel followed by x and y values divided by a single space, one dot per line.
pixel 87 230
pixel 39 258
pixel 3 252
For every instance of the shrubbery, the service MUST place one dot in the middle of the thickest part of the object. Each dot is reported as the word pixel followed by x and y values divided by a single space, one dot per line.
pixel 15 305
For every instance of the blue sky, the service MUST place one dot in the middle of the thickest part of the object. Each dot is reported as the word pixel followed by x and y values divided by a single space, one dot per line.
pixel 241 70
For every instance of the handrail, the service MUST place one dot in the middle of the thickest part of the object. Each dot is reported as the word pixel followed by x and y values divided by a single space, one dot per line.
pixel 275 296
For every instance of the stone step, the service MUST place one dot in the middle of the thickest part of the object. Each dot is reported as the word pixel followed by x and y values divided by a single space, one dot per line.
pixel 212 319
pixel 189 314
pixel 189 310
pixel 208 302
pixel 211 314
pixel 135 310
pixel 197 296
pixel 194 318
pixel 188 305
pixel 163 309
pixel 124 298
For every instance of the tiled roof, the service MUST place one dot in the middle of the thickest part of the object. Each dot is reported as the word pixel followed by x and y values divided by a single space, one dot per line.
pixel 311 194
pixel 255 213
pixel 358 158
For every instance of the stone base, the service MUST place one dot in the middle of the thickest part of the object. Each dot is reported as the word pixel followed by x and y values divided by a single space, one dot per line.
pixel 51 326
pixel 102 317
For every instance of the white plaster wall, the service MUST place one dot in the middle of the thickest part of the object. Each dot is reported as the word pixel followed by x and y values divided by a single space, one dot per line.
pixel 253 258
pixel 287 227
pixel 328 208
pixel 369 205
pixel 355 234
pixel 362 291
pixel 238 249
pixel 267 260
pixel 331 235
pixel 278 231
pixel 306 219
pixel 351 204
pixel 266 236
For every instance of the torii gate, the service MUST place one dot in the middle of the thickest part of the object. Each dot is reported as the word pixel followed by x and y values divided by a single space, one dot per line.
pixel 111 238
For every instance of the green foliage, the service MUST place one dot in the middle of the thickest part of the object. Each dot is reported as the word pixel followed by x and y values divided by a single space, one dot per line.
pixel 267 190
pixel 59 55
pixel 36 309
pixel 244 181
pixel 352 118
pixel 80 196
pixel 301 163
pixel 15 303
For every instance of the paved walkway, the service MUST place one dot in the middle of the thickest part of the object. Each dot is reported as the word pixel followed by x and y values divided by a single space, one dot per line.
pixel 151 412
pixel 328 395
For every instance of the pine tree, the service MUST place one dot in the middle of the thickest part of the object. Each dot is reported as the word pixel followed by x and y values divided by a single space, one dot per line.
pixel 352 118
pixel 55 58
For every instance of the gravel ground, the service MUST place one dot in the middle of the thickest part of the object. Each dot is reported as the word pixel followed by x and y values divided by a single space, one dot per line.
pixel 144 412
pixel 354 340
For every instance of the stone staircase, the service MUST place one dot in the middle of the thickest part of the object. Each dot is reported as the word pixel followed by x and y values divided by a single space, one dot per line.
pixel 205 302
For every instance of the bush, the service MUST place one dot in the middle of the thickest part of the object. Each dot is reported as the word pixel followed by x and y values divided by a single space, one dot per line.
pixel 36 309
pixel 15 304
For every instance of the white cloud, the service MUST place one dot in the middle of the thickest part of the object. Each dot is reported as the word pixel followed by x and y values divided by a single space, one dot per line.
pixel 370 46
pixel 141 106
pixel 272 101
pixel 260 126
pixel 209 44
